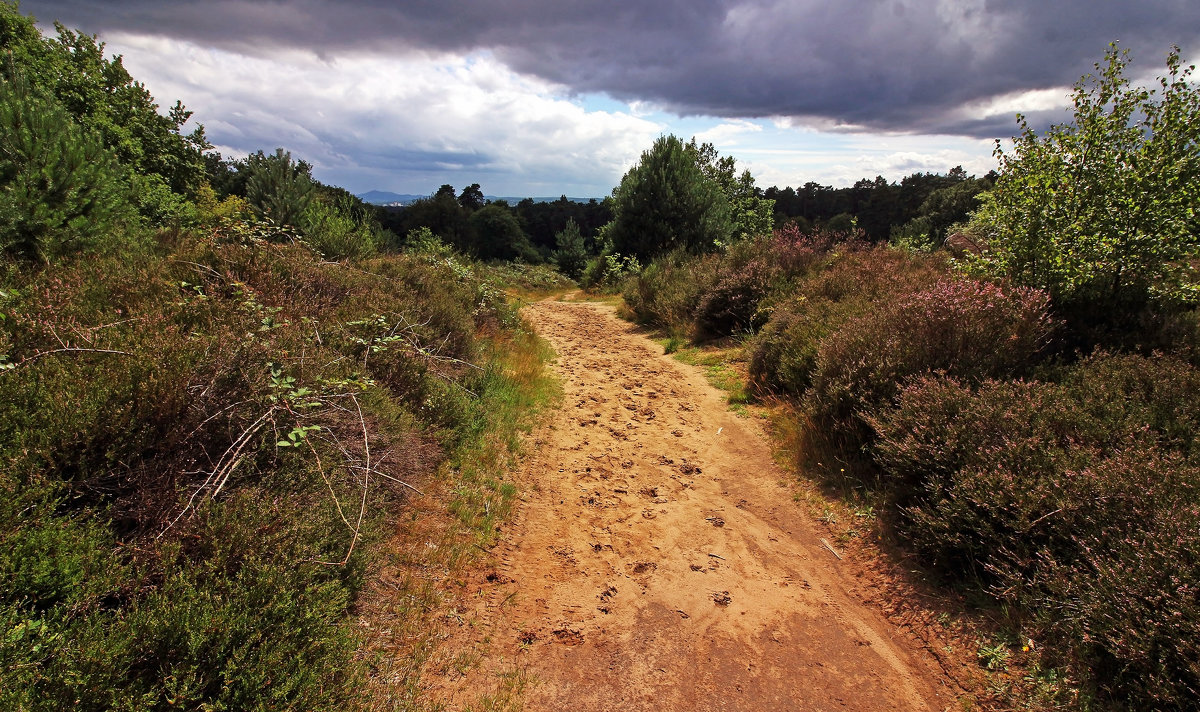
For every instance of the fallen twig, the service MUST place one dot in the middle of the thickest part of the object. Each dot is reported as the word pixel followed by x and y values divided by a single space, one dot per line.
pixel 831 549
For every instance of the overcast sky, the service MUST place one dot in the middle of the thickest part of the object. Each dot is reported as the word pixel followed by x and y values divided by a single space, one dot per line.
pixel 546 97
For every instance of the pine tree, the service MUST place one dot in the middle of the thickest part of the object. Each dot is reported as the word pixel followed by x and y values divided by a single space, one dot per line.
pixel 666 202
pixel 61 191
pixel 278 188
pixel 571 255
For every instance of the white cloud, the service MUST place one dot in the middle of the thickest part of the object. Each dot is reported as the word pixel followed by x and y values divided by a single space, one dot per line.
pixel 794 157
pixel 405 124
pixel 726 135
pixel 413 122
pixel 1025 102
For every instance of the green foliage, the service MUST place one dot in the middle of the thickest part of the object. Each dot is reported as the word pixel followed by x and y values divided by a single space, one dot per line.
pixel 751 214
pixel 571 255
pixel 158 205
pixel 422 241
pixel 102 96
pixel 666 292
pixel 944 208
pixel 842 222
pixel 1102 210
pixel 165 511
pixel 498 235
pixel 880 206
pixel 61 192
pixel 609 272
pixel 666 202
pixel 442 215
pixel 331 226
pixel 543 220
pixel 471 198
pixel 278 188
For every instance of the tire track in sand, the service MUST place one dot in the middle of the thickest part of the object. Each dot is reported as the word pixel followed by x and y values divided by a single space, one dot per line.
pixel 657 561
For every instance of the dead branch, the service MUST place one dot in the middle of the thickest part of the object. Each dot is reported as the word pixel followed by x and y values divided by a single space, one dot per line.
pixel 228 462
pixel 68 350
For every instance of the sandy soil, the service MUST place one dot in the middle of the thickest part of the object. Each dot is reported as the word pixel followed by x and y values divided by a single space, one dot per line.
pixel 658 562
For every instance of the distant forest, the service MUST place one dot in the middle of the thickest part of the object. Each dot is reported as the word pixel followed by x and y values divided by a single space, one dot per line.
pixel 919 206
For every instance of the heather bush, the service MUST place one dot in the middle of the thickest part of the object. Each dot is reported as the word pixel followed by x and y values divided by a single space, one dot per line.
pixel 784 354
pixel 828 288
pixel 968 329
pixel 717 295
pixel 1129 391
pixel 1076 503
pixel 797 252
pixel 179 426
pixel 734 300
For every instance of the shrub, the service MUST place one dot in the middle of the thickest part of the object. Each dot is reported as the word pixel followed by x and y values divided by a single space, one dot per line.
pixel 832 286
pixel 609 271
pixel 964 328
pixel 160 392
pixel 1077 504
pixel 667 291
pixel 277 187
pixel 784 354
pixel 1128 391
pixel 336 234
pixel 732 302
pixel 571 255
pixel 1100 211
pixel 61 192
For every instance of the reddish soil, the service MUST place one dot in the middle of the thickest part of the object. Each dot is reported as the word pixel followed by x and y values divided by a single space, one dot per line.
pixel 657 560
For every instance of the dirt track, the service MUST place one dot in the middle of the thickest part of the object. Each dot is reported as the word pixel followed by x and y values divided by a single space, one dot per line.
pixel 658 562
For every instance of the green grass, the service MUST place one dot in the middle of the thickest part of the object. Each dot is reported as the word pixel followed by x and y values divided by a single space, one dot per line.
pixel 723 368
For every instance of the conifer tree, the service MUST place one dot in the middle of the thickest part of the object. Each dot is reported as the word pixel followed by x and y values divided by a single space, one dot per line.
pixel 571 255
pixel 666 202
pixel 61 191
pixel 278 188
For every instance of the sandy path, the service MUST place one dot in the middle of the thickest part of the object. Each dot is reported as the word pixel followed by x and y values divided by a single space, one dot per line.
pixel 657 561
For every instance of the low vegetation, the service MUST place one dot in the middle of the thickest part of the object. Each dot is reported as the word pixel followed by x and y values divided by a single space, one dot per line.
pixel 201 444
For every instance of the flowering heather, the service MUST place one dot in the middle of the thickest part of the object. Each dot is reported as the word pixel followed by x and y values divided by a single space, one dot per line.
pixel 964 328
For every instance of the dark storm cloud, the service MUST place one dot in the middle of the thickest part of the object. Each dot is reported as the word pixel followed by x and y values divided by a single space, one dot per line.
pixel 878 64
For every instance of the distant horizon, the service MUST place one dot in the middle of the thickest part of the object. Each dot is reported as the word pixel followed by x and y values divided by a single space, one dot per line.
pixel 408 197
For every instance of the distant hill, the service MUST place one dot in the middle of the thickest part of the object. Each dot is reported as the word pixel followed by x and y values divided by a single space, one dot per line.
pixel 383 197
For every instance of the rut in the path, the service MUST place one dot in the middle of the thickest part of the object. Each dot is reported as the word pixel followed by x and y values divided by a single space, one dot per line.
pixel 657 561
